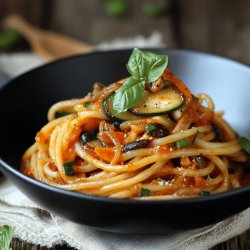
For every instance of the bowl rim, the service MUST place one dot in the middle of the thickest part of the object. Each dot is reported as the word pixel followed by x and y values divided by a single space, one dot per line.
pixel 179 201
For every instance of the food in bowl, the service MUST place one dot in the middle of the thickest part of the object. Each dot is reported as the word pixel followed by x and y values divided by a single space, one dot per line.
pixel 143 137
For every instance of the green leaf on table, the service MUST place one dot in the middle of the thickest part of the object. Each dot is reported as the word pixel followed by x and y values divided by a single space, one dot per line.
pixel 6 234
pixel 128 95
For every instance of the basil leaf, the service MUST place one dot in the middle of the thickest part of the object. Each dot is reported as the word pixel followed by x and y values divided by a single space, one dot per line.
pixel 146 65
pixel 128 95
pixel 6 234
pixel 245 144
pixel 156 65
pixel 137 66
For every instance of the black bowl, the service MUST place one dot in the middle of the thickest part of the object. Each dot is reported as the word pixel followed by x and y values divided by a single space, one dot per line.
pixel 24 103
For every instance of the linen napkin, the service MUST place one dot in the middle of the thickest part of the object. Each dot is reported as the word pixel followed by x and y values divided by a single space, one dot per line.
pixel 37 226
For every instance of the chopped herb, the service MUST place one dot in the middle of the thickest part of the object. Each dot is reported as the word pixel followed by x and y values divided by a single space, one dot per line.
pixel 245 144
pixel 6 234
pixel 144 192
pixel 144 67
pixel 182 143
pixel 61 113
pixel 205 193
pixel 150 128
pixel 86 104
pixel 195 136
pixel 68 168
pixel 231 170
pixel 199 161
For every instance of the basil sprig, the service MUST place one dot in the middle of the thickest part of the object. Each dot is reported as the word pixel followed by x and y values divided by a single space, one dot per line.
pixel 144 67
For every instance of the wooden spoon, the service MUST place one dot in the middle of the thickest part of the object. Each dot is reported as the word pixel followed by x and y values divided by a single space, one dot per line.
pixel 47 44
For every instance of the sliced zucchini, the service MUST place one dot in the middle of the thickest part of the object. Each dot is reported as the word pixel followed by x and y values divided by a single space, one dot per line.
pixel 164 101
pixel 107 107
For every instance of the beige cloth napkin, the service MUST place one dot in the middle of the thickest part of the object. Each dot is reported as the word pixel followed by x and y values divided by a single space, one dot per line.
pixel 37 226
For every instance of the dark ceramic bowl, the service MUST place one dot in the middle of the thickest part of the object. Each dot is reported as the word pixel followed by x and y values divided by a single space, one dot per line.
pixel 24 102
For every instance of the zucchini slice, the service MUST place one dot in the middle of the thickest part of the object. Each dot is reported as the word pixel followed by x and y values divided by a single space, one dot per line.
pixel 162 102
pixel 107 107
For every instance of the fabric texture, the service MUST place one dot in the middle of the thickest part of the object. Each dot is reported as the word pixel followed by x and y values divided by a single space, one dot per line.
pixel 35 225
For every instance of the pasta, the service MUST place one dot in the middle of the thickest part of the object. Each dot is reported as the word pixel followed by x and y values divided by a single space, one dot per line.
pixel 184 152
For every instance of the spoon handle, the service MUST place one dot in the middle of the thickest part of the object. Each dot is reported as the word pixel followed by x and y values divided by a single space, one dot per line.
pixel 16 22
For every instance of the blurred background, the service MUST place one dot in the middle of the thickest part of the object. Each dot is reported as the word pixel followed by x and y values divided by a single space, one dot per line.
pixel 217 26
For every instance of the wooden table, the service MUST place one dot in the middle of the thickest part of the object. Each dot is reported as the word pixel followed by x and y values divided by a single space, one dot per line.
pixel 241 242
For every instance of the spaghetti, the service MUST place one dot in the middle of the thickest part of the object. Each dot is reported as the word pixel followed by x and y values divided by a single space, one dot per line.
pixel 184 152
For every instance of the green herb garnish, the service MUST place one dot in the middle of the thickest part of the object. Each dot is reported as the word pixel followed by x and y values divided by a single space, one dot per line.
pixel 68 167
pixel 6 234
pixel 144 67
pixel 182 143
pixel 86 104
pixel 205 193
pixel 61 113
pixel 150 128
pixel 245 144
pixel 144 192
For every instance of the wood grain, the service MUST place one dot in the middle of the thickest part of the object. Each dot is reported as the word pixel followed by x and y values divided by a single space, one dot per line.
pixel 90 23
pixel 217 26
pixel 33 11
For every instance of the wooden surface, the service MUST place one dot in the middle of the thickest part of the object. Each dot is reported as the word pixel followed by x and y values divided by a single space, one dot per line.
pixel 241 242
pixel 217 26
